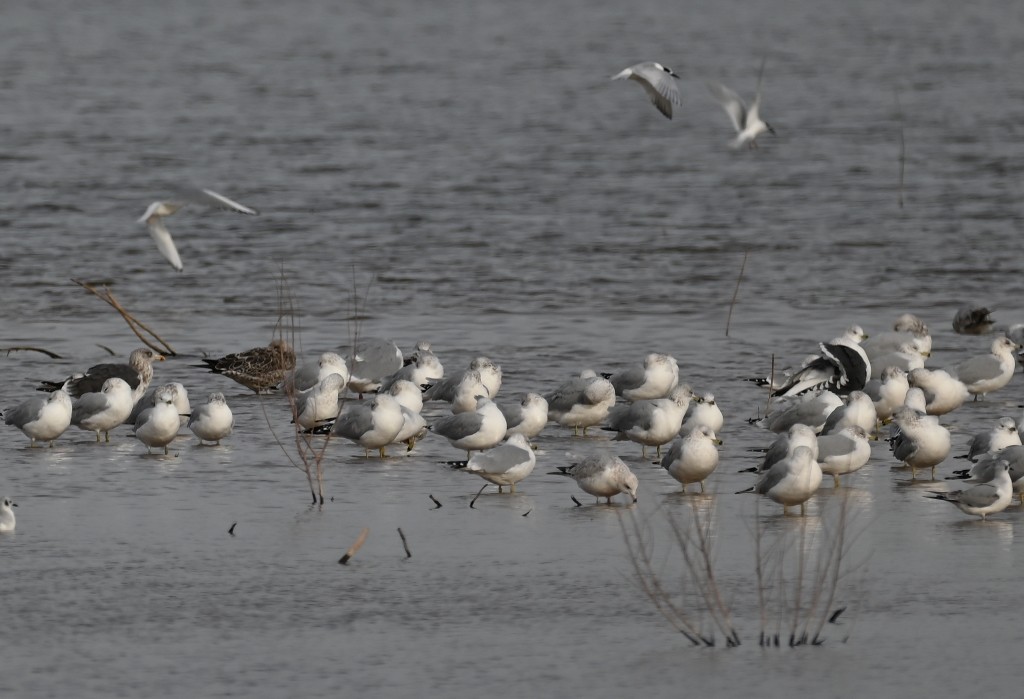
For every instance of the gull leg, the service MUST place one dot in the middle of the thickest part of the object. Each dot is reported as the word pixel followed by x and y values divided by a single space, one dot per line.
pixel 785 510
pixel 659 451
pixel 106 436
pixel 97 436
pixel 383 452
pixel 835 478
pixel 643 451
pixel 511 488
pixel 701 483
pixel 165 450
pixel 803 509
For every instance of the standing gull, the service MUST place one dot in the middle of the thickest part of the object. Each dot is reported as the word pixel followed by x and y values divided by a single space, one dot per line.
pixel 138 373
pixel 843 452
pixel 309 375
pixel 371 363
pixel 657 81
pixel 103 411
pixel 158 210
pixel 213 421
pixel 259 369
pixel 746 121
pixel 703 410
pixel 921 441
pixel 656 378
pixel 985 498
pixel 810 409
pixel 527 417
pixel 889 392
pixel 410 399
pixel 373 425
pixel 792 481
pixel 504 465
pixel 1003 434
pixel 447 388
pixel 783 446
pixel 480 429
pixel 179 396
pixel 693 457
pixel 651 423
pixel 42 418
pixel 984 470
pixel 602 475
pixel 989 372
pixel 581 402
pixel 158 426
pixel 317 405
pixel 942 393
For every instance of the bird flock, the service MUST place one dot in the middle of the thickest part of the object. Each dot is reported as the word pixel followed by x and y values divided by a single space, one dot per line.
pixel 824 414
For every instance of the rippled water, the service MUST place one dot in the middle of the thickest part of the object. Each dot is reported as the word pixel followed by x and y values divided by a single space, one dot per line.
pixel 468 172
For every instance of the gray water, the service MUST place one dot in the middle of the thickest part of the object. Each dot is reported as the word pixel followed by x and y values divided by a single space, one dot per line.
pixel 466 172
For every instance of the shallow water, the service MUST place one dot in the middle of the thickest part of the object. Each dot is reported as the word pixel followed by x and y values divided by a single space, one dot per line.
pixel 467 173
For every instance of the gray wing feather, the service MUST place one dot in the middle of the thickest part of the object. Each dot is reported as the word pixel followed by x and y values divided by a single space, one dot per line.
pixel 25 413
pixel 978 496
pixel 354 423
pixel 88 405
pixel 979 369
pixel 500 460
pixel 459 426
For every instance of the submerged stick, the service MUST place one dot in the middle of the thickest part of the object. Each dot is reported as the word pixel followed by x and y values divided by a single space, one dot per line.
pixel 405 544
pixel 231 531
pixel 526 513
pixel 360 540
pixel 735 293
pixel 578 503
pixel 134 323
pixel 48 353
pixel 471 502
pixel 436 502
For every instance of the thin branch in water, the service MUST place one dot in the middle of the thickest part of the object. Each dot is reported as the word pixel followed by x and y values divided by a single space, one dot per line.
pixel 436 502
pixel 473 501
pixel 134 323
pixel 405 544
pixel 231 531
pixel 360 540
pixel 48 353
pixel 735 293
pixel 578 503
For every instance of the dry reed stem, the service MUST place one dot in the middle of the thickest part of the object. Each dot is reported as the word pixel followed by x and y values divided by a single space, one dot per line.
pixel 360 540
pixel 735 293
pixel 134 323
pixel 48 353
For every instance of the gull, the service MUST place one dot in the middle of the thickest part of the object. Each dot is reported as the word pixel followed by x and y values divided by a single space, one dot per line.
pixel 810 409
pixel 504 465
pixel 703 410
pixel 942 392
pixel 921 442
pixel 469 387
pixel 373 425
pixel 841 366
pixel 319 404
pixel 138 372
pixel 973 321
pixel 527 417
pixel 213 421
pixel 154 219
pixel 906 356
pixel 908 328
pixel 985 498
pixel 651 423
pixel 1003 434
pixel 581 402
pixel 843 452
pixel 7 521
pixel 259 368
pixel 371 362
pixel 798 435
pixel 984 470
pixel 657 81
pixel 447 388
pixel 859 410
pixel 410 399
pixel 656 378
pixel 746 121
pixel 179 396
pixel 693 457
pixel 309 375
pixel 889 392
pixel 601 475
pixel 423 368
pixel 480 429
pixel 791 481
pixel 158 426
pixel 42 418
pixel 989 372
pixel 103 411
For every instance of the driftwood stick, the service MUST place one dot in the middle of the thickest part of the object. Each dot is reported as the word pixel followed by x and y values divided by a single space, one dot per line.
pixel 360 540
pixel 134 323
pixel 735 293
pixel 405 544
pixel 48 353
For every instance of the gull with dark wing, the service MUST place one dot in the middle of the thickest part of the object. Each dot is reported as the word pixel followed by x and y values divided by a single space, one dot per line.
pixel 158 210
pixel 658 81
pixel 259 369
pixel 746 120
pixel 138 373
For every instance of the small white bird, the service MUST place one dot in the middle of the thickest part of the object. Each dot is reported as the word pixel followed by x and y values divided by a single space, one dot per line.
pixel 158 426
pixel 42 418
pixel 527 417
pixel 480 429
pixel 844 451
pixel 602 475
pixel 7 521
pixel 179 397
pixel 1003 434
pixel 656 378
pixel 657 81
pixel 103 411
pixel 319 404
pixel 703 410
pixel 694 457
pixel 985 498
pixel 651 423
pixel 791 481
pixel 583 401
pixel 746 121
pixel 504 465
pixel 154 219
pixel 921 441
pixel 212 422
pixel 989 372
pixel 373 425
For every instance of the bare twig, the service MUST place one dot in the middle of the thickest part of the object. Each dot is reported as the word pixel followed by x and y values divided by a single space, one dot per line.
pixel 231 531
pixel 735 293
pixel 405 544
pixel 360 540
pixel 48 353
pixel 436 502
pixel 472 502
pixel 134 323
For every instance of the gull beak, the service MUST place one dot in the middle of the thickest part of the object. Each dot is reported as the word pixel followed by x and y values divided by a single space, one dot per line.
pixel 719 442
pixel 770 129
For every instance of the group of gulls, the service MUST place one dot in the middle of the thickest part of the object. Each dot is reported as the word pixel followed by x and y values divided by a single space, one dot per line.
pixel 824 412
pixel 661 85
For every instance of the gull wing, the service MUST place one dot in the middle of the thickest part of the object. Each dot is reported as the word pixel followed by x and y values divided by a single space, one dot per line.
pixel 733 105
pixel 164 243
pixel 231 205
pixel 659 85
